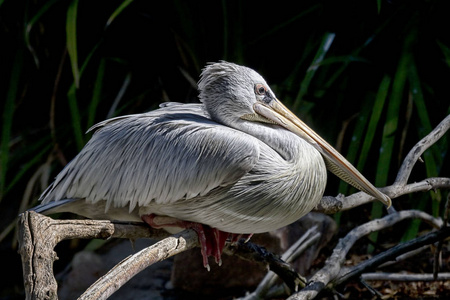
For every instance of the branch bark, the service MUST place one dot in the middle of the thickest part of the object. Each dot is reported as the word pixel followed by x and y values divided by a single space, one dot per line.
pixel 38 236
pixel 132 265
pixel 331 205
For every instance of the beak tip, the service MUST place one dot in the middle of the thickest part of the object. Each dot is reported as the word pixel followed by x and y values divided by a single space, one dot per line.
pixel 387 201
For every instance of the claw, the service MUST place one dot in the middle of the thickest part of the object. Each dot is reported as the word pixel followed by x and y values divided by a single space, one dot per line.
pixel 220 239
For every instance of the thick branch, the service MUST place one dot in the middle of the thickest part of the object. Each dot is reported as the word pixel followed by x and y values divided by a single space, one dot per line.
pixel 38 235
pixel 132 265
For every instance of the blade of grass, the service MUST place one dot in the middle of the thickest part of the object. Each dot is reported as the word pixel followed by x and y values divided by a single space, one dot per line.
pixel 325 45
pixel 357 137
pixel 30 24
pixel 377 111
pixel 233 31
pixel 96 94
pixel 354 55
pixel 8 113
pixel 432 157
pixel 75 114
pixel 446 51
pixel 291 81
pixel 123 89
pixel 36 159
pixel 118 11
pixel 71 40
pixel 389 134
pixel 72 50
pixel 74 111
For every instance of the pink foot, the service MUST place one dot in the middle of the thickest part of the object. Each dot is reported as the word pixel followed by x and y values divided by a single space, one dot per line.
pixel 212 240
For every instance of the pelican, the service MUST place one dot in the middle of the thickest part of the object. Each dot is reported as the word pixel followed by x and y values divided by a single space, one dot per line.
pixel 236 164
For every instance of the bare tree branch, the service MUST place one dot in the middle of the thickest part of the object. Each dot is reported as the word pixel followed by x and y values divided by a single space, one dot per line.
pixel 413 155
pixel 132 265
pixel 333 264
pixel 330 205
pixel 392 253
pixel 381 276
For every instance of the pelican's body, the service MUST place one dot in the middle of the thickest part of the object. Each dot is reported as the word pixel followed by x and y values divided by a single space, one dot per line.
pixel 230 163
pixel 230 180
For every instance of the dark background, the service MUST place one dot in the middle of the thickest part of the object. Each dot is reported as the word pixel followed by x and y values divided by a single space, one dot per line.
pixel 153 50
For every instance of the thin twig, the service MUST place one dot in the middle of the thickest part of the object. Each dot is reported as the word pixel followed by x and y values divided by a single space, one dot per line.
pixel 437 254
pixel 419 149
pixel 382 276
pixel 405 256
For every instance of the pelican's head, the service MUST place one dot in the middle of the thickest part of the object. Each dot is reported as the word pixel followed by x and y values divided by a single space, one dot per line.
pixel 230 91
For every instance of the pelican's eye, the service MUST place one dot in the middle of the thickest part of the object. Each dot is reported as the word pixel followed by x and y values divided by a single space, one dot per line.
pixel 260 89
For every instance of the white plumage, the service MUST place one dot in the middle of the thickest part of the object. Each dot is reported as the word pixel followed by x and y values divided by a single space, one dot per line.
pixel 238 162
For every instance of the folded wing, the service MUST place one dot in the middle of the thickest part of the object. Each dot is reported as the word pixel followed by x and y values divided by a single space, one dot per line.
pixel 169 154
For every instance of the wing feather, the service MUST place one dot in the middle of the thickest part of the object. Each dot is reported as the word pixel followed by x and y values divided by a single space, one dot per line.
pixel 172 153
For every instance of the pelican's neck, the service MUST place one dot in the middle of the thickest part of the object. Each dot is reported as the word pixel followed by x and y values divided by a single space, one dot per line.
pixel 281 140
pixel 284 142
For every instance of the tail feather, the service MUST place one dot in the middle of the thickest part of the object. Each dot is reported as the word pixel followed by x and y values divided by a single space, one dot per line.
pixel 52 207
pixel 96 210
